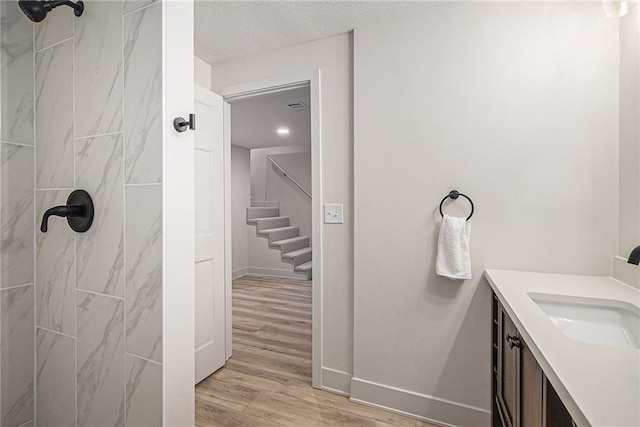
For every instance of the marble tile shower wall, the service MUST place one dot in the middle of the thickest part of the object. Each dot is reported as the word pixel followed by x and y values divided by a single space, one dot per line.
pixel 16 217
pixel 98 295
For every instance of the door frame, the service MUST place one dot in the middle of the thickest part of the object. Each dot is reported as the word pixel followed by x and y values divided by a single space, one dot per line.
pixel 178 362
pixel 248 89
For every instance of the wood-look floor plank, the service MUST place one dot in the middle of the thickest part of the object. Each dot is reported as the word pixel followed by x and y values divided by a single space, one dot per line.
pixel 293 412
pixel 267 381
pixel 289 302
pixel 209 415
pixel 237 393
pixel 293 348
pixel 314 396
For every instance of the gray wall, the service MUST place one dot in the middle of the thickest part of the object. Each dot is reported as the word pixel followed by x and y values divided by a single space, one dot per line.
pixel 240 201
pixel 97 306
pixel 16 217
pixel 516 105
pixel 268 185
pixel 333 56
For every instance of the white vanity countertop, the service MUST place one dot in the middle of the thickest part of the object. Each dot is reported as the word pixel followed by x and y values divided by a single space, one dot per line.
pixel 599 385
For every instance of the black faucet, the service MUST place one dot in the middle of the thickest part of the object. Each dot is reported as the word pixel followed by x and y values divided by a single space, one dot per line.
pixel 634 257
pixel 78 211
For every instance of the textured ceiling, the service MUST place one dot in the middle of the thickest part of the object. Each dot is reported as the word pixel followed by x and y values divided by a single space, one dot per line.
pixel 231 29
pixel 254 120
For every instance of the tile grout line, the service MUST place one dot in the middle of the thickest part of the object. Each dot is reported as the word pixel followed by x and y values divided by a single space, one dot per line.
pixel 35 241
pixel 55 332
pixel 124 219
pixel 99 294
pixel 21 144
pixel 142 184
pixel 50 46
pixel 131 12
pixel 16 287
pixel 98 135
pixel 143 358
pixel 75 237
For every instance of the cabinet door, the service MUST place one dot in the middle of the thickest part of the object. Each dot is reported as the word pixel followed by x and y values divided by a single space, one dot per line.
pixel 555 413
pixel 509 366
pixel 531 379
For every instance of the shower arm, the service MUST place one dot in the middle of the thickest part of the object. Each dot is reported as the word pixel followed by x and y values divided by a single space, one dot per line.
pixel 78 7
pixel 55 3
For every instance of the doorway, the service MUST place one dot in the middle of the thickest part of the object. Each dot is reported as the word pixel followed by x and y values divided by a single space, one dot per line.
pixel 296 255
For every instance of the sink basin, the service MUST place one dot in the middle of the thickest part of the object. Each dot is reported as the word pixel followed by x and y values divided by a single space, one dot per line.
pixel 591 320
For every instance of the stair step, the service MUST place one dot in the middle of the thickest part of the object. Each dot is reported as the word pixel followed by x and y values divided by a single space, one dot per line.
pixel 304 268
pixel 299 256
pixel 307 268
pixel 288 245
pixel 260 212
pixel 280 233
pixel 270 223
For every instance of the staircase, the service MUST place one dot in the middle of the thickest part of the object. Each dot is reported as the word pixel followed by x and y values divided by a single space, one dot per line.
pixel 294 248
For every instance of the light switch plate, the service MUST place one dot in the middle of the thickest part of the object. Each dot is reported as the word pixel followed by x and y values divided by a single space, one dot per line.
pixel 333 213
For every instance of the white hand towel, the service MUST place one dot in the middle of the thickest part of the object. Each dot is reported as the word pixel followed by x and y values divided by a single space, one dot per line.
pixel 453 259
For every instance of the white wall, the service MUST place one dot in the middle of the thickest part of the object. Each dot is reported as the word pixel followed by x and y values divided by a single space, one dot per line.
pixel 334 57
pixel 630 130
pixel 514 104
pixel 240 201
pixel 266 184
pixel 202 73
pixel 297 165
pixel 260 166
pixel 293 202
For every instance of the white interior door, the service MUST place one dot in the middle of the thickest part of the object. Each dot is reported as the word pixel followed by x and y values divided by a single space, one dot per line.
pixel 210 233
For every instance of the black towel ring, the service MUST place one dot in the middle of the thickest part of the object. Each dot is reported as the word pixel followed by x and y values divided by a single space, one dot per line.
pixel 454 194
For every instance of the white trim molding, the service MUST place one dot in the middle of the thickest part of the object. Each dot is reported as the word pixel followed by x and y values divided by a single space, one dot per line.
pixel 178 233
pixel 275 272
pixel 239 273
pixel 335 381
pixel 426 408
pixel 314 79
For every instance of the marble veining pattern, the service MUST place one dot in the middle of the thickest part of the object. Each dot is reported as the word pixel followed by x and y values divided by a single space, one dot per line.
pixel 131 5
pixel 143 96
pixel 55 379
pixel 143 299
pixel 54 117
pixel 144 393
pixel 16 75
pixel 16 355
pixel 16 215
pixel 55 272
pixel 99 251
pixel 98 89
pixel 81 140
pixel 100 359
pixel 57 27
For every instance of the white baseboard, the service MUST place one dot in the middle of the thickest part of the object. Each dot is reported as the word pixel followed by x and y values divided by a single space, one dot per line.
pixel 337 382
pixel 426 408
pixel 276 272
pixel 239 272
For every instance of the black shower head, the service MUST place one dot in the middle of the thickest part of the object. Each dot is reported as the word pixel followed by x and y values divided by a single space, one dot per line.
pixel 37 10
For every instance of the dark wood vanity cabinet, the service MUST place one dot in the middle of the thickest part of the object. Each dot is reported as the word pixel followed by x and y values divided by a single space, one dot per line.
pixel 522 395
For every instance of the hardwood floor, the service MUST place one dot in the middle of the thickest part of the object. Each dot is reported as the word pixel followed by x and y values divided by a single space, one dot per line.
pixel 267 381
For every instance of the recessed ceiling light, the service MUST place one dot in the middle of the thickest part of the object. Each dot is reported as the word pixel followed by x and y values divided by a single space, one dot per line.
pixel 283 131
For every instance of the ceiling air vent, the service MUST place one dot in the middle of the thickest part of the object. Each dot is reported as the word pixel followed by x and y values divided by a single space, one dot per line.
pixel 298 106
